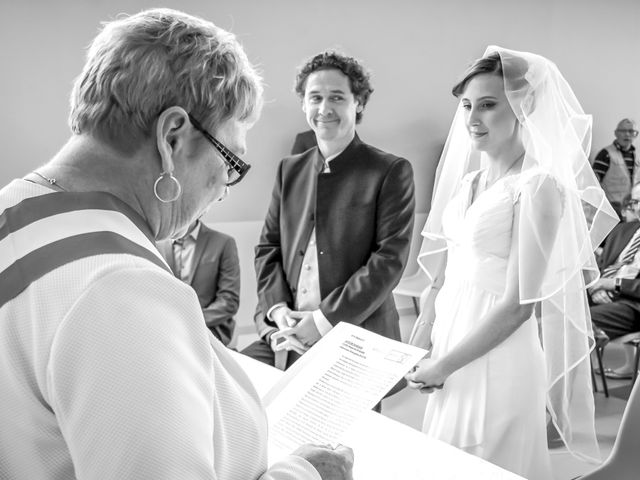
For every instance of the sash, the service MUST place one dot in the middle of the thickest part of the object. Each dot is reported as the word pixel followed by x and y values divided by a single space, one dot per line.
pixel 42 233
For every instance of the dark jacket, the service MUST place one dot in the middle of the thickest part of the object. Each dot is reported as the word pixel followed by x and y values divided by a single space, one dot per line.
pixel 363 212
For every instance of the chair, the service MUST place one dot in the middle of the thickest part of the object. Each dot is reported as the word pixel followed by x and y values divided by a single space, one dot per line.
pixel 601 340
pixel 624 462
pixel 413 286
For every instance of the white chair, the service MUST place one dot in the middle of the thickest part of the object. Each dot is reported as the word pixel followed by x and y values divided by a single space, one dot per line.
pixel 623 462
pixel 413 281
pixel 413 286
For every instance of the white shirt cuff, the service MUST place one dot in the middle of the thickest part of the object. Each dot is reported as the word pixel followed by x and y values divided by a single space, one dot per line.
pixel 322 324
pixel 277 305
pixel 291 467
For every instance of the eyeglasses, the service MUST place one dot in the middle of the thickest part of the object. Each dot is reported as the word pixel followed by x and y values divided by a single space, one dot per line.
pixel 633 133
pixel 237 169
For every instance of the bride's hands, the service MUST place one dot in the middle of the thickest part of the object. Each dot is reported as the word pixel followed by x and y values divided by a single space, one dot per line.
pixel 426 376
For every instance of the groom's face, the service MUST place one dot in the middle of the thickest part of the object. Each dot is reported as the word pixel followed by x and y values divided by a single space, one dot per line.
pixel 330 106
pixel 491 123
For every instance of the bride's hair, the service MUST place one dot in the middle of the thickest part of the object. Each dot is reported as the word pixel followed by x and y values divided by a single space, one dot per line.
pixel 492 64
pixel 521 91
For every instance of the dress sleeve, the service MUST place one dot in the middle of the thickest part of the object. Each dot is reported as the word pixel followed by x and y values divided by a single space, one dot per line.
pixel 542 207
pixel 291 467
pixel 137 388
pixel 130 380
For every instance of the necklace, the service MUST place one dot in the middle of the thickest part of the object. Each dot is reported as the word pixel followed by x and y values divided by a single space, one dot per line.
pixel 513 164
pixel 52 181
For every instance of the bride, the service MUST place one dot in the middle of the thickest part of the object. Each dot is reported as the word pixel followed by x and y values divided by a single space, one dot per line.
pixel 509 247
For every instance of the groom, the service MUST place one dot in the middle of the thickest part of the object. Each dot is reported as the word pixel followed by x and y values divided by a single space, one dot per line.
pixel 337 233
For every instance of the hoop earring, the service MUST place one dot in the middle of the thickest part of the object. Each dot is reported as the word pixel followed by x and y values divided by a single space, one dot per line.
pixel 172 178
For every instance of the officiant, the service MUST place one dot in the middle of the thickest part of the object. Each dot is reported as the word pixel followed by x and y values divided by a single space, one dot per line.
pixel 108 369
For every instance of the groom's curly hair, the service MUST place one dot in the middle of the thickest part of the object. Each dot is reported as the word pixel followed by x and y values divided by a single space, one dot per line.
pixel 359 77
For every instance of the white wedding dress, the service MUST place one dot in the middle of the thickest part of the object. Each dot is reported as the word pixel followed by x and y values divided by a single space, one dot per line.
pixel 494 407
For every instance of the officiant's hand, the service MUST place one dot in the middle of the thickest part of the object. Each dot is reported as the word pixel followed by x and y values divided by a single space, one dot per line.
pixel 305 329
pixel 601 296
pixel 331 463
pixel 426 376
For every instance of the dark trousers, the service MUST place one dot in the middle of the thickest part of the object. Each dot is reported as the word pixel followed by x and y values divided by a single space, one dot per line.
pixel 617 318
pixel 261 351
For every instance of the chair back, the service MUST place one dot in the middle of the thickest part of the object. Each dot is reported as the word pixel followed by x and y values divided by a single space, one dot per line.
pixel 416 242
pixel 624 461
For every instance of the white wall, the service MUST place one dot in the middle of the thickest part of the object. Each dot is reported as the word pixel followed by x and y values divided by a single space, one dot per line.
pixel 416 50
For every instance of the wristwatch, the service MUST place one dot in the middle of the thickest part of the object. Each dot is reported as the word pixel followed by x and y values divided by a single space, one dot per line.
pixel 617 284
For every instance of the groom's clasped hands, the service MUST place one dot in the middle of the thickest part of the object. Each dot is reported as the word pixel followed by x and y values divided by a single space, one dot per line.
pixel 297 330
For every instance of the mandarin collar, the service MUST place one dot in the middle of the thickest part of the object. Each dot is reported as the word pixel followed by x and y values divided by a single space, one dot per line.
pixel 342 159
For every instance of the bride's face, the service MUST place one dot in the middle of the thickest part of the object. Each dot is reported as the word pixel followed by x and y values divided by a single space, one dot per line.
pixel 491 123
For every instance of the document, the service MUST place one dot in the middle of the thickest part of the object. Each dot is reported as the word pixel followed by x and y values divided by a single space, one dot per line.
pixel 340 378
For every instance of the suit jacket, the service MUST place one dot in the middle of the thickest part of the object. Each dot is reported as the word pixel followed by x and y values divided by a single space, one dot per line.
pixel 303 142
pixel 363 212
pixel 215 276
pixel 615 242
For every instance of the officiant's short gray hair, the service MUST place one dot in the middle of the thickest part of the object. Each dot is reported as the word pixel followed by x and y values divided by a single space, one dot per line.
pixel 140 65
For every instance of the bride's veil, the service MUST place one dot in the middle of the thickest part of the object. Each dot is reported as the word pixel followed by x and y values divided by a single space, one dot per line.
pixel 557 137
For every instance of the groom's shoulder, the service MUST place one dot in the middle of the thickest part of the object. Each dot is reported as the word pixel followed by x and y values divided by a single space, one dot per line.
pixel 382 159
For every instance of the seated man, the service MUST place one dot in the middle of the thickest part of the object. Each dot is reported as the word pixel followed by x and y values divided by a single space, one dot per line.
pixel 615 297
pixel 208 261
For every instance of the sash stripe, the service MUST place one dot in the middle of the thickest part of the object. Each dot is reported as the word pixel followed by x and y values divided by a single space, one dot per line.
pixel 36 208
pixel 26 270
pixel 56 227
